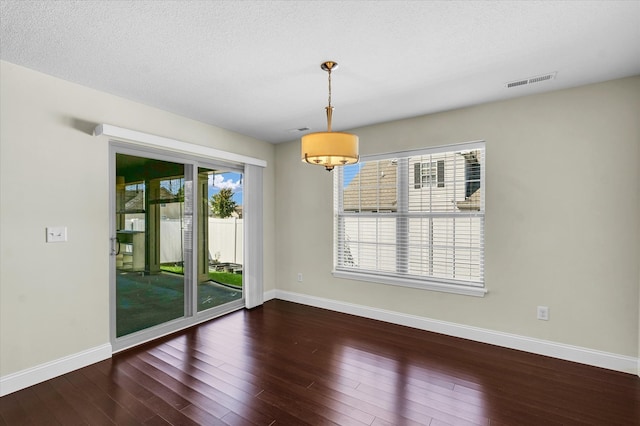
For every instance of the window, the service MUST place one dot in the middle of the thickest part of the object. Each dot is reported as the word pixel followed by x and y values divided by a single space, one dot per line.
pixel 413 218
pixel 429 174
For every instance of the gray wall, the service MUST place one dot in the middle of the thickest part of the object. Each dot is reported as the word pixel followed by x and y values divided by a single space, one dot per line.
pixel 562 206
pixel 562 217
pixel 54 298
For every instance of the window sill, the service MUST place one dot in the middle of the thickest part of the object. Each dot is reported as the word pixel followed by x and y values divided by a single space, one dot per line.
pixel 404 282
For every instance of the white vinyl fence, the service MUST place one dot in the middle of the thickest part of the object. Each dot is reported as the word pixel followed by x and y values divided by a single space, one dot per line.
pixel 225 239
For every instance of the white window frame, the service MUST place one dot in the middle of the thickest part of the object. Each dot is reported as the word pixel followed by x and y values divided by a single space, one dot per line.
pixel 428 173
pixel 346 271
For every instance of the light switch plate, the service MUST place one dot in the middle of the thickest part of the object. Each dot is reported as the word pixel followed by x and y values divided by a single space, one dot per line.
pixel 56 234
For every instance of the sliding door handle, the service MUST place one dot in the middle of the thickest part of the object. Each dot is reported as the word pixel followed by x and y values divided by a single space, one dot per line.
pixel 115 246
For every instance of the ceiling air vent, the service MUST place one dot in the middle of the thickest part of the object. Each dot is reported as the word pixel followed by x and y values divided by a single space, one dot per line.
pixel 531 80
pixel 517 83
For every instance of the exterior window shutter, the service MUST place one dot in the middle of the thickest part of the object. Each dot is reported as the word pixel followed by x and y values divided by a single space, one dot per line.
pixel 440 173
pixel 417 176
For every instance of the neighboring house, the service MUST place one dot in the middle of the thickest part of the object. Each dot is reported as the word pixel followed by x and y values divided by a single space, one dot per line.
pixel 237 212
pixel 373 188
pixel 450 182
pixel 441 238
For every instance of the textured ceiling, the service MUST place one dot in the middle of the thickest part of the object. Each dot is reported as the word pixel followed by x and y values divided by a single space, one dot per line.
pixel 253 66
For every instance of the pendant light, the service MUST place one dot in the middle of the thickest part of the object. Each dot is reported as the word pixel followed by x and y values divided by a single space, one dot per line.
pixel 329 149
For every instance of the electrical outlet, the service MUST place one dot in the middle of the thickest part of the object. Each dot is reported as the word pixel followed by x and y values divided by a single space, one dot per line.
pixel 299 277
pixel 543 313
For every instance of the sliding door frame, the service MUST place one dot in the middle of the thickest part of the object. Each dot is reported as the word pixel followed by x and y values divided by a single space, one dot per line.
pixel 252 269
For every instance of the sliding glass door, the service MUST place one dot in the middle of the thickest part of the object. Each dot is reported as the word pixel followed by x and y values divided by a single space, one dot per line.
pixel 150 223
pixel 220 237
pixel 163 278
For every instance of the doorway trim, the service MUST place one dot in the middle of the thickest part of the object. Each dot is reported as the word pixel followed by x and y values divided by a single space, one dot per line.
pixel 122 140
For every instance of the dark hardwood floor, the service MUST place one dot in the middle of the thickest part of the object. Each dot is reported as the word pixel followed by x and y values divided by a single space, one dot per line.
pixel 289 364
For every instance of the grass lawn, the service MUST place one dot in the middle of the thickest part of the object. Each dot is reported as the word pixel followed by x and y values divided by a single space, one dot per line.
pixel 227 278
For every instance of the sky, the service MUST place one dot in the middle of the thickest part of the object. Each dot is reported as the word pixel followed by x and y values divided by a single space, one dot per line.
pixel 350 172
pixel 229 180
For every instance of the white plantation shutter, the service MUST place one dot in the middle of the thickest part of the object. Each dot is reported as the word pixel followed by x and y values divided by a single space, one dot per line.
pixel 416 216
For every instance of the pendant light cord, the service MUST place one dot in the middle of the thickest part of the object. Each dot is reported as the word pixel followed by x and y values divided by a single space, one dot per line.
pixel 329 87
pixel 329 108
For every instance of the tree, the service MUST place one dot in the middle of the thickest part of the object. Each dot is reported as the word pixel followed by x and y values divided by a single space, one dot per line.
pixel 222 203
pixel 180 194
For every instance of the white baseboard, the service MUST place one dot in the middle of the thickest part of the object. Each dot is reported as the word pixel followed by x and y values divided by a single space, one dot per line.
pixel 270 295
pixel 40 373
pixel 578 354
